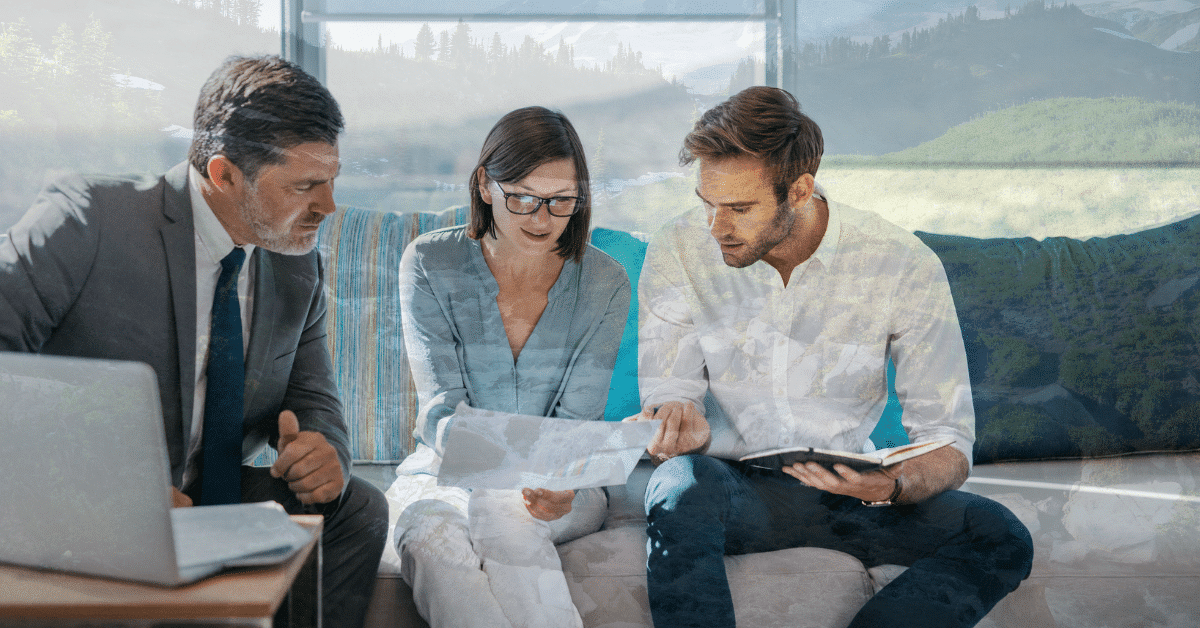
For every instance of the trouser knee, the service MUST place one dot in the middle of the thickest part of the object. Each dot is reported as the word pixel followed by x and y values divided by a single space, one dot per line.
pixel 995 527
pixel 690 486
pixel 363 511
pixel 431 529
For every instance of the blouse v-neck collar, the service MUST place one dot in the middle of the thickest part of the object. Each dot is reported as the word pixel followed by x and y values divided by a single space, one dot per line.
pixel 490 289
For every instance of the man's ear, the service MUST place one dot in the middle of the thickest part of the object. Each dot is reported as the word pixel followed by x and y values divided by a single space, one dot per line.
pixel 801 191
pixel 485 187
pixel 223 173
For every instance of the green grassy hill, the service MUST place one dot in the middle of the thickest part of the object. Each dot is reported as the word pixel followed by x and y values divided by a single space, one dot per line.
pixel 1070 130
pixel 1067 131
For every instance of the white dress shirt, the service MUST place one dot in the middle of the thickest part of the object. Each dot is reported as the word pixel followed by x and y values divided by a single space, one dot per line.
pixel 805 364
pixel 213 243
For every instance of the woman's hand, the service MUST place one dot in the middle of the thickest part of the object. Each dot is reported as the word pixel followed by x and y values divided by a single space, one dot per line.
pixel 547 505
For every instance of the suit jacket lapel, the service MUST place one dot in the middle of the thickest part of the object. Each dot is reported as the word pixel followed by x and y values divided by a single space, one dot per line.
pixel 179 243
pixel 262 325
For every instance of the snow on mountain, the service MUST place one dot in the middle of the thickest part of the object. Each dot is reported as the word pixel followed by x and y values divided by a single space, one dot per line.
pixel 1181 36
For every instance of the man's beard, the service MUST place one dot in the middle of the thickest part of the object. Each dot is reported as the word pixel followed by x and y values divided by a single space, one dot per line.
pixel 751 252
pixel 270 237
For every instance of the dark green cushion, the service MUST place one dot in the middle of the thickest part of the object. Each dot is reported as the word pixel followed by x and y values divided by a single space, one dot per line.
pixel 1080 347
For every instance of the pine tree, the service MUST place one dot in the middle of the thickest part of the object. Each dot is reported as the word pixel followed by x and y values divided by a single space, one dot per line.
pixel 444 46
pixel 743 76
pixel 599 167
pixel 460 44
pixel 425 45
pixel 66 53
pixel 95 69
pixel 245 12
pixel 21 68
pixel 531 51
pixel 563 57
pixel 496 52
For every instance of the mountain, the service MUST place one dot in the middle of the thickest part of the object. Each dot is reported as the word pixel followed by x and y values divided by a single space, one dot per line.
pixel 944 76
pixel 1171 32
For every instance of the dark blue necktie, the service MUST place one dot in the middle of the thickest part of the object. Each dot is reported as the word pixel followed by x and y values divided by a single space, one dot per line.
pixel 221 475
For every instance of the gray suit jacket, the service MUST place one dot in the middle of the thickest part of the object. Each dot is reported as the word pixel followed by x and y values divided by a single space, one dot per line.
pixel 105 267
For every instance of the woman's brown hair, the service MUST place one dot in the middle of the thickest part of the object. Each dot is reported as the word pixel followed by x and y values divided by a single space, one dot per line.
pixel 520 142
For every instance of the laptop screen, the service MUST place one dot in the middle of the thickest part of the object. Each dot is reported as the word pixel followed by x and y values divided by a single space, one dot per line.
pixel 84 470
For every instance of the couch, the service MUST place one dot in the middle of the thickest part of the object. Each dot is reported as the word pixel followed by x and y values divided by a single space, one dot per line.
pixel 1085 368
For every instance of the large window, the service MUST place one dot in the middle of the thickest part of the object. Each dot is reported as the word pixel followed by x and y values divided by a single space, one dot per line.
pixel 110 86
pixel 990 118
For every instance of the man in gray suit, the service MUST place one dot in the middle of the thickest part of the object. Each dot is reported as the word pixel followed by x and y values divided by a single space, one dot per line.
pixel 207 273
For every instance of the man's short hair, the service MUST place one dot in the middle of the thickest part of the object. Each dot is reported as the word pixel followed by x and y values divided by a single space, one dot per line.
pixel 520 142
pixel 764 123
pixel 251 109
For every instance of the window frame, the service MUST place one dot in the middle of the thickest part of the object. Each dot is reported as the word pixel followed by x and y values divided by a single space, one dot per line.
pixel 303 24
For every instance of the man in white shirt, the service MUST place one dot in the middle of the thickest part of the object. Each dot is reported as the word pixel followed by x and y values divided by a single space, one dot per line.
pixel 783 308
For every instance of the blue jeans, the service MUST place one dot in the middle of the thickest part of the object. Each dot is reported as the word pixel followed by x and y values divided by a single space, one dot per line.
pixel 964 552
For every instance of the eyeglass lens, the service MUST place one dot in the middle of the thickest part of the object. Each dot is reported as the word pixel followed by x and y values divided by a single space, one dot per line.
pixel 525 204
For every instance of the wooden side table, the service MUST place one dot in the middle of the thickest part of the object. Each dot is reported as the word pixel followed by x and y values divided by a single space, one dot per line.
pixel 289 592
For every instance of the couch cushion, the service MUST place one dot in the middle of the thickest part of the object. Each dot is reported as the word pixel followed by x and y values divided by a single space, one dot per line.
pixel 1080 348
pixel 630 251
pixel 362 250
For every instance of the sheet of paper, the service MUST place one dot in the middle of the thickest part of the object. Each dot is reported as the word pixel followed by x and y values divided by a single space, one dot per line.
pixel 235 535
pixel 498 450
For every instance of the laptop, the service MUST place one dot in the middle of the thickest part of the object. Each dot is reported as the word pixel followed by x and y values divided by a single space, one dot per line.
pixel 85 481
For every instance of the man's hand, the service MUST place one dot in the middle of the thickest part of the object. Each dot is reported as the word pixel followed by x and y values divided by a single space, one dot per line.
pixel 178 499
pixel 307 462
pixel 547 505
pixel 924 476
pixel 684 430
pixel 873 486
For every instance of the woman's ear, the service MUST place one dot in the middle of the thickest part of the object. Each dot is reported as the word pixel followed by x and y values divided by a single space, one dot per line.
pixel 485 185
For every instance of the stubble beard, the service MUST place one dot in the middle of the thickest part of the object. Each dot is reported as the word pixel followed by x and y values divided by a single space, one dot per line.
pixel 751 252
pixel 271 238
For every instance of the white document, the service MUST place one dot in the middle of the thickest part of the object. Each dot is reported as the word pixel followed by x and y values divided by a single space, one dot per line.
pixel 498 450
pixel 235 535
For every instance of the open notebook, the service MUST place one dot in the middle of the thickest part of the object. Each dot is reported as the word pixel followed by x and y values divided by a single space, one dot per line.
pixel 85 482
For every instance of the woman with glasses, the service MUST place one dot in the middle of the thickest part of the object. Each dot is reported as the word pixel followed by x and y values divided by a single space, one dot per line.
pixel 512 312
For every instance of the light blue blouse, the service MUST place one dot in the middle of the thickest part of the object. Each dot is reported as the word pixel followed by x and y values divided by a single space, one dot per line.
pixel 458 349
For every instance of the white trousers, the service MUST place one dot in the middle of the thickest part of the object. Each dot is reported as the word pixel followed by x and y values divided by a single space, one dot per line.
pixel 492 566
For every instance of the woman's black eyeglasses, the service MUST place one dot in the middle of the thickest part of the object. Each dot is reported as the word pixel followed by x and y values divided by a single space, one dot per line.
pixel 524 204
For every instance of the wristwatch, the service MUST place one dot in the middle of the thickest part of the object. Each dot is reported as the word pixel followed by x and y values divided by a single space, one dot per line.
pixel 890 498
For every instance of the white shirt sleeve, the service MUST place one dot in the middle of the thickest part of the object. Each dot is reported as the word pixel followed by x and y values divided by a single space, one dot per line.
pixel 670 360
